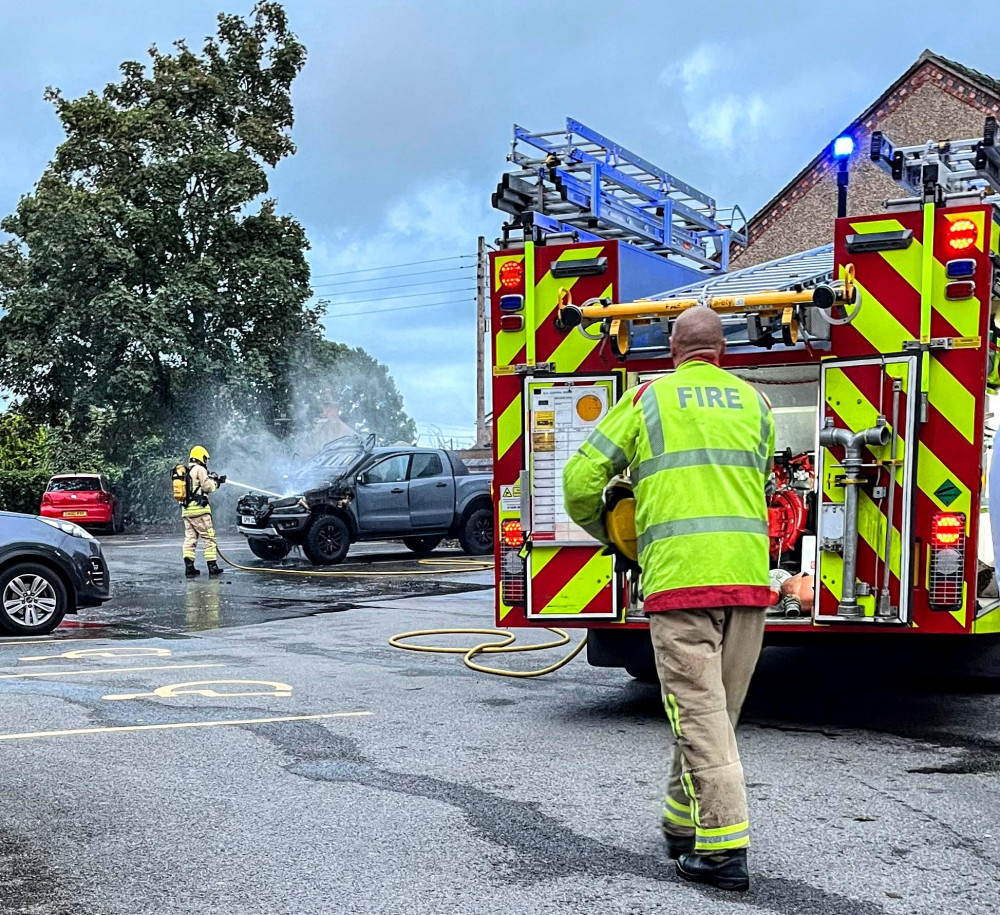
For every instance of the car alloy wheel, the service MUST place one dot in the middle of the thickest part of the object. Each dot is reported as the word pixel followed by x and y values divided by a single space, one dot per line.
pixel 29 599
pixel 329 542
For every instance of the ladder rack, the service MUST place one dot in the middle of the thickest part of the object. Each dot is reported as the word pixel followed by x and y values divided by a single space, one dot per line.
pixel 941 170
pixel 577 183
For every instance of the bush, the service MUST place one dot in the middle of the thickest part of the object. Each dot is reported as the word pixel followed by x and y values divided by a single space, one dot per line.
pixel 21 490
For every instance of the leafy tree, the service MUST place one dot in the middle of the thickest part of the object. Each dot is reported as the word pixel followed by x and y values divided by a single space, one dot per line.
pixel 354 386
pixel 148 273
pixel 23 445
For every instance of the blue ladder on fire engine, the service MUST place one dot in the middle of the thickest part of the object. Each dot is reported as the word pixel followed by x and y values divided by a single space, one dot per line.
pixel 587 187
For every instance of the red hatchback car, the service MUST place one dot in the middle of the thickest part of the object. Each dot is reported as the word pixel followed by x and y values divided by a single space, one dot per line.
pixel 85 499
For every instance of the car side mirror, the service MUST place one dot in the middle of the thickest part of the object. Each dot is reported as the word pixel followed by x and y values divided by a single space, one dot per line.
pixel 362 479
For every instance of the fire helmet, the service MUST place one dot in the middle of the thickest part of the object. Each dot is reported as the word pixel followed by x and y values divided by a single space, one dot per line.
pixel 619 519
pixel 200 454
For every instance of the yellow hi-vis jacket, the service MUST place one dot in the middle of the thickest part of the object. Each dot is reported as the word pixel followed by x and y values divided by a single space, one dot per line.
pixel 700 444
pixel 201 485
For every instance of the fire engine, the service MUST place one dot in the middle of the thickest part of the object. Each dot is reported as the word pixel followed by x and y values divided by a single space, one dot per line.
pixel 875 352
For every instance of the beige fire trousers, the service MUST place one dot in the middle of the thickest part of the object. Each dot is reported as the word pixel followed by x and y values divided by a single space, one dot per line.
pixel 705 660
pixel 200 526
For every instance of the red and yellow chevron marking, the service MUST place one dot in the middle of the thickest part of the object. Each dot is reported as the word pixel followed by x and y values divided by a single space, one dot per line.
pixel 852 393
pixel 568 351
pixel 903 299
pixel 571 581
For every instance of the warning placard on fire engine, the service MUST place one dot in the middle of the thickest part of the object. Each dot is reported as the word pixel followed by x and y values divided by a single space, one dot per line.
pixel 560 418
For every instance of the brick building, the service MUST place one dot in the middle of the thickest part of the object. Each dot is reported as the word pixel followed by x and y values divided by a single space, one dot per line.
pixel 935 99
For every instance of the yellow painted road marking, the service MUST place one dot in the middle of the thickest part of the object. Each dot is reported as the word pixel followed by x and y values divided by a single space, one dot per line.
pixel 54 640
pixel 174 690
pixel 73 732
pixel 79 654
pixel 102 670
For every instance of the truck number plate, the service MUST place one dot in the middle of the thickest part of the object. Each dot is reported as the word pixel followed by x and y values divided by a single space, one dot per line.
pixel 248 519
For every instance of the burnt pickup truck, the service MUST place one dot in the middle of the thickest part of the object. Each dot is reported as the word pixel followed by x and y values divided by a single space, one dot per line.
pixel 354 492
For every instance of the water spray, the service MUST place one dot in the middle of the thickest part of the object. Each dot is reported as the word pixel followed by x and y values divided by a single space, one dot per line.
pixel 266 492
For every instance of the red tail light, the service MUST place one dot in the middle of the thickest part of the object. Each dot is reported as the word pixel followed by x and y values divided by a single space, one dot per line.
pixel 46 498
pixel 512 567
pixel 962 234
pixel 947 529
pixel 512 534
pixel 512 275
pixel 947 561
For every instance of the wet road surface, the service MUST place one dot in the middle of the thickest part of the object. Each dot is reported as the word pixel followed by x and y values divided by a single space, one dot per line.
pixel 152 597
pixel 253 745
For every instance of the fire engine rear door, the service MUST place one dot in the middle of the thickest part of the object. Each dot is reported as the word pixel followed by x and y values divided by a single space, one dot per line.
pixel 569 576
pixel 854 393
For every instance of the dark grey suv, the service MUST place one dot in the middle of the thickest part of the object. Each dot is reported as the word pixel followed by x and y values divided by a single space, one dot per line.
pixel 48 568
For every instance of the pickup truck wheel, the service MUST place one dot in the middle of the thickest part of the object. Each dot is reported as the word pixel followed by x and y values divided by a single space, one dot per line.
pixel 476 535
pixel 327 541
pixel 268 550
pixel 421 544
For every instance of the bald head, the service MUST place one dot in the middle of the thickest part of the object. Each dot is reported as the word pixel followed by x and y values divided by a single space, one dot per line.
pixel 697 334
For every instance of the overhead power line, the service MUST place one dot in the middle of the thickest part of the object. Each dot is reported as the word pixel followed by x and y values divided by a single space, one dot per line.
pixel 399 276
pixel 379 311
pixel 436 260
pixel 415 295
pixel 457 279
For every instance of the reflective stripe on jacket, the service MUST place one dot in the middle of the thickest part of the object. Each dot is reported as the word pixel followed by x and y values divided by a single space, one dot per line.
pixel 201 485
pixel 700 444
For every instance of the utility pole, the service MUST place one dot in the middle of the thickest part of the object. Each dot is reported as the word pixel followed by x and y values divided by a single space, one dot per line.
pixel 482 439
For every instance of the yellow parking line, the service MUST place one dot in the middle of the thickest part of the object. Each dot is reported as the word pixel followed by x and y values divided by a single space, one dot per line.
pixel 179 725
pixel 15 642
pixel 102 670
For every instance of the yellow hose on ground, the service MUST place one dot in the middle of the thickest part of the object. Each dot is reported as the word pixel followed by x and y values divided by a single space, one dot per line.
pixel 504 646
pixel 441 567
pixel 446 567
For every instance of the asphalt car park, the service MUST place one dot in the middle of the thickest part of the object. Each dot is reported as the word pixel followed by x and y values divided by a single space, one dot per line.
pixel 254 745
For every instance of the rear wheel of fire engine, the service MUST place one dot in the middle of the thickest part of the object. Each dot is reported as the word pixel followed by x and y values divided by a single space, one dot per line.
pixel 642 672
pixel 476 535
pixel 421 544
pixel 327 541
pixel 33 600
pixel 268 550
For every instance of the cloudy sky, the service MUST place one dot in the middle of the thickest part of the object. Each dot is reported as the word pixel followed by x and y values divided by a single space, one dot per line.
pixel 404 114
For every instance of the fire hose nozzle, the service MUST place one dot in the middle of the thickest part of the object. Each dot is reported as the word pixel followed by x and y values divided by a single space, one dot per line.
pixel 827 295
pixel 568 317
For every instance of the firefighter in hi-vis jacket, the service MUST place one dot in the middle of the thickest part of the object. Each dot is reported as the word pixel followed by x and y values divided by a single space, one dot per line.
pixel 197 513
pixel 700 445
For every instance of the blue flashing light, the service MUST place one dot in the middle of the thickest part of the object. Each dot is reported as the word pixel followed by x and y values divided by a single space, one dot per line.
pixel 511 302
pixel 959 269
pixel 843 147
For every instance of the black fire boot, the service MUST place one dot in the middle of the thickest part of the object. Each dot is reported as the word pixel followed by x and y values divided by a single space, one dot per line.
pixel 189 570
pixel 726 870
pixel 213 568
pixel 678 845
